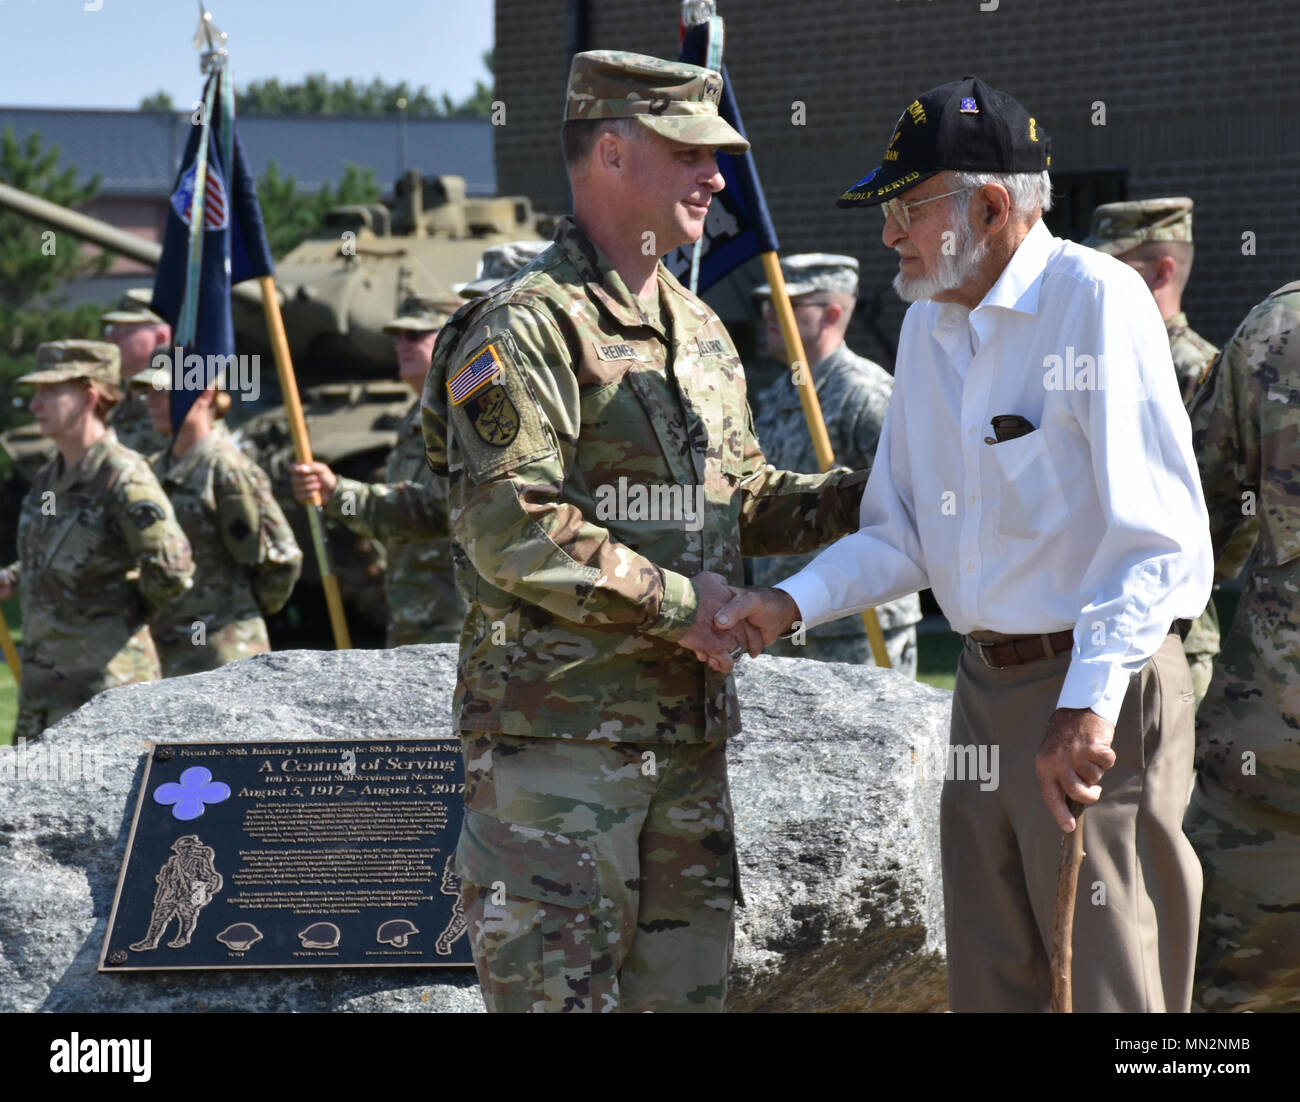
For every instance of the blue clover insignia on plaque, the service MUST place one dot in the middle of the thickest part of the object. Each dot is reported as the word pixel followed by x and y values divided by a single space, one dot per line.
pixel 191 796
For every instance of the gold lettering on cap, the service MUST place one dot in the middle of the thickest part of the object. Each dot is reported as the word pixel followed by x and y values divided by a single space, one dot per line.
pixel 1033 131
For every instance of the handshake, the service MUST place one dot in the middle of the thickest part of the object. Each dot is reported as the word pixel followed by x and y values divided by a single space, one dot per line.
pixel 733 621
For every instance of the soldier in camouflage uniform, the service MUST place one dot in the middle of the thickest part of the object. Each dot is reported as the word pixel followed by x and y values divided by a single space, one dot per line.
pixel 407 512
pixel 1244 818
pixel 138 332
pixel 246 559
pixel 604 482
pixel 98 545
pixel 854 394
pixel 1154 237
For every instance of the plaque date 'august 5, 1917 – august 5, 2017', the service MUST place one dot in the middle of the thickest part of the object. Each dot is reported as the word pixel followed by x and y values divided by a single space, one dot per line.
pixel 292 855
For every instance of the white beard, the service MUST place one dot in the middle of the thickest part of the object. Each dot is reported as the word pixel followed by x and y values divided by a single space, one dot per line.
pixel 952 269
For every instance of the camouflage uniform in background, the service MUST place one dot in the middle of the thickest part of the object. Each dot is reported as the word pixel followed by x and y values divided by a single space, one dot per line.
pixel 854 395
pixel 246 559
pixel 99 549
pixel 130 421
pixel 1244 818
pixel 597 855
pixel 407 513
pixel 1117 229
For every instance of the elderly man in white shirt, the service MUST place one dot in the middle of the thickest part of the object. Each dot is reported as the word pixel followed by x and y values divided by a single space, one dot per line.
pixel 1036 470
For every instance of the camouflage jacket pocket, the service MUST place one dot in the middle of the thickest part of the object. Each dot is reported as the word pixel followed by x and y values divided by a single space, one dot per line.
pixel 530 863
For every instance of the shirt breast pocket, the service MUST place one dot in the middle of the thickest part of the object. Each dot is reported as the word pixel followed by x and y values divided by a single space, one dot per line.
pixel 1031 500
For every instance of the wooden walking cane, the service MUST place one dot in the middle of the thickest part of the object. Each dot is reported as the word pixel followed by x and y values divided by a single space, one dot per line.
pixel 812 410
pixel 302 451
pixel 1067 886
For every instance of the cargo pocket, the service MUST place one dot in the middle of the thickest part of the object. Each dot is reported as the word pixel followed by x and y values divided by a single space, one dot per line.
pixel 538 889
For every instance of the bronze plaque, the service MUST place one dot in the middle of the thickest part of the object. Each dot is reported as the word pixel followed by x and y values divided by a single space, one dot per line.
pixel 292 855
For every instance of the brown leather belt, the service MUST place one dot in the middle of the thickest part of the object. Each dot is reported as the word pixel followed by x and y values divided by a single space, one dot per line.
pixel 1007 650
pixel 1017 651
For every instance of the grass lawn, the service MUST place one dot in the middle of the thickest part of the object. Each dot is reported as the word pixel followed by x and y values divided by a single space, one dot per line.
pixel 8 688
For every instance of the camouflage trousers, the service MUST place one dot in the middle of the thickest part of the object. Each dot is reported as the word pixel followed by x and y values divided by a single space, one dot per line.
pixel 1249 952
pixel 1201 666
pixel 597 876
pixel 181 654
pixel 854 649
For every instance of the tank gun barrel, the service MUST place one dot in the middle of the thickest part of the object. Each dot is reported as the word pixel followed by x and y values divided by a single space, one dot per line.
pixel 80 225
pixel 99 233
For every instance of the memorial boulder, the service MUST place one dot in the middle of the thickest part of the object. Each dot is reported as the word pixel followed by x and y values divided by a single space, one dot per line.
pixel 835 783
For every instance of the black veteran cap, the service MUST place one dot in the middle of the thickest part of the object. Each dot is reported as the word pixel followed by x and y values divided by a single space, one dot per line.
pixel 965 126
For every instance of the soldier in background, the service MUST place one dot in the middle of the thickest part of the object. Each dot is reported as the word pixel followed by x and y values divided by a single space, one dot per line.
pixel 1154 237
pixel 1244 816
pixel 854 394
pixel 407 512
pixel 99 547
pixel 246 559
pixel 138 332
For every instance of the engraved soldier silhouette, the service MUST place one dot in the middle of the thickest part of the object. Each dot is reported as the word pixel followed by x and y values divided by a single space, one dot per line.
pixel 456 924
pixel 186 884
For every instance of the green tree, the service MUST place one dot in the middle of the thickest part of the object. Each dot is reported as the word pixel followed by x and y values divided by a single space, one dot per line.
pixel 290 217
pixel 161 100
pixel 37 259
pixel 318 95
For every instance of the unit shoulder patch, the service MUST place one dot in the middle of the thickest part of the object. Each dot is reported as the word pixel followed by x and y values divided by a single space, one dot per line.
pixel 145 514
pixel 493 415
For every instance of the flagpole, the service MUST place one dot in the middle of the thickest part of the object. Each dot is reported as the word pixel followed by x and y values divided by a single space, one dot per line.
pixel 302 451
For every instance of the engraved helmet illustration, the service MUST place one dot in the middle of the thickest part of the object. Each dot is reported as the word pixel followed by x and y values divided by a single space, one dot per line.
pixel 240 936
pixel 320 935
pixel 395 932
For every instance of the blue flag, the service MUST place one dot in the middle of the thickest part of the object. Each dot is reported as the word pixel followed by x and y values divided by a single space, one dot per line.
pixel 191 289
pixel 738 227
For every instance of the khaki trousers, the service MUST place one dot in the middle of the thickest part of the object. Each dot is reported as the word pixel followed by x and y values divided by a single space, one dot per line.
pixel 1140 884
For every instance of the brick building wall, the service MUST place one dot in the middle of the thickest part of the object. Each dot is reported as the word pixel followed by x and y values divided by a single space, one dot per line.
pixel 1198 95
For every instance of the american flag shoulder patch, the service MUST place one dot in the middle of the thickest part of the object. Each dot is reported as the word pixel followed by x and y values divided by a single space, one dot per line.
pixel 482 368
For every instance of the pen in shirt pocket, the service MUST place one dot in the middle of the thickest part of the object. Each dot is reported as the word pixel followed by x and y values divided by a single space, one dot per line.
pixel 1009 426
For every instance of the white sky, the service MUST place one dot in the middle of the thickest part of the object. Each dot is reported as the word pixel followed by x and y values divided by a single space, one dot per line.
pixel 56 53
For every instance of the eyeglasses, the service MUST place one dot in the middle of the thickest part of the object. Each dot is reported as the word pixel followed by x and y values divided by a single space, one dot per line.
pixel 414 334
pixel 899 209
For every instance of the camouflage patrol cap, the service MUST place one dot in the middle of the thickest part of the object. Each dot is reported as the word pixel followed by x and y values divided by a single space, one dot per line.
pixel 59 361
pixel 501 262
pixel 674 99
pixel 133 309
pixel 808 272
pixel 1118 227
pixel 422 312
